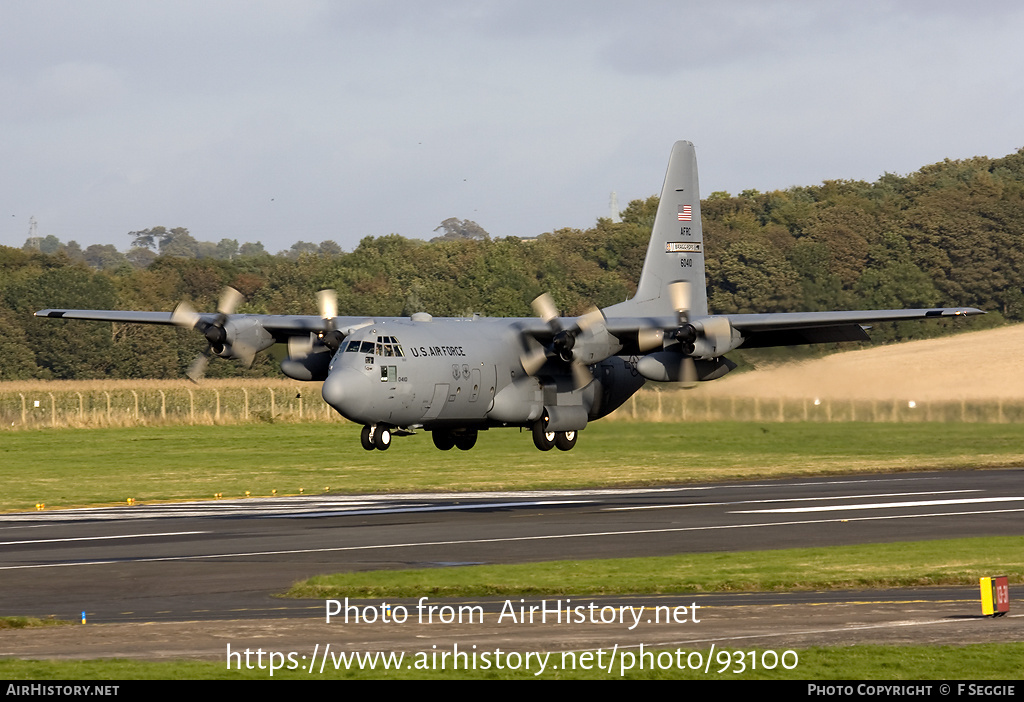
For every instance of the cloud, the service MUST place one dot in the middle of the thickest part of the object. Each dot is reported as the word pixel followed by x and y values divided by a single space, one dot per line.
pixel 366 118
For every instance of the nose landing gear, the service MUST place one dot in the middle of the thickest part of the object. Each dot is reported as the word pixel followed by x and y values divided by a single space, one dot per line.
pixel 377 436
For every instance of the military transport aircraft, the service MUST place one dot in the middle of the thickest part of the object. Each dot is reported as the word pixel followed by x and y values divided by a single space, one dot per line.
pixel 550 374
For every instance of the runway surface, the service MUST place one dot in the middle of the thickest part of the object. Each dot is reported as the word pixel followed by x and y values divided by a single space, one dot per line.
pixel 224 560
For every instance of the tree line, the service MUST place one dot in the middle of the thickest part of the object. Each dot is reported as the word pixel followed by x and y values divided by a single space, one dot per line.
pixel 950 234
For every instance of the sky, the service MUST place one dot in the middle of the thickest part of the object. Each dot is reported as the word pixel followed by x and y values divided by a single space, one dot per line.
pixel 319 120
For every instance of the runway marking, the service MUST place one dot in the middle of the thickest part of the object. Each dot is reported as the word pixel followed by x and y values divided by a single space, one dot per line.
pixel 785 499
pixel 430 508
pixel 508 539
pixel 102 538
pixel 878 505
pixel 260 506
pixel 277 509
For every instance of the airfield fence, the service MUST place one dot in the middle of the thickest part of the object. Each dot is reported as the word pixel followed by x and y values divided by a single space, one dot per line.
pixel 690 406
pixel 123 403
pixel 150 403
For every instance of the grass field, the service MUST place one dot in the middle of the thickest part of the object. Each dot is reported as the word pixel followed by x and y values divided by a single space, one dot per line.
pixel 76 467
pixel 901 564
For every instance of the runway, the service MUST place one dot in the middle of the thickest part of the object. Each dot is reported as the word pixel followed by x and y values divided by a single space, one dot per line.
pixel 225 559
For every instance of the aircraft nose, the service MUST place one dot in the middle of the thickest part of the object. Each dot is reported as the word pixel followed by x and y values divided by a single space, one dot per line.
pixel 347 391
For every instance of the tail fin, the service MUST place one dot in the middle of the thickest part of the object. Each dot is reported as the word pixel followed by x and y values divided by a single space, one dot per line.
pixel 676 249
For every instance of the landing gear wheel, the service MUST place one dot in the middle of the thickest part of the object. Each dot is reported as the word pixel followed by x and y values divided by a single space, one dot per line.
pixel 542 438
pixel 465 441
pixel 565 440
pixel 366 438
pixel 443 439
pixel 382 438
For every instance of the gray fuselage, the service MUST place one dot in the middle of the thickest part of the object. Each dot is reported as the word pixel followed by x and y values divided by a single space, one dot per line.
pixel 462 373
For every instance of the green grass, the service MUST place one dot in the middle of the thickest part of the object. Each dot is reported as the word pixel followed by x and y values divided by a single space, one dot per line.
pixel 941 562
pixel 75 467
pixel 68 467
pixel 974 662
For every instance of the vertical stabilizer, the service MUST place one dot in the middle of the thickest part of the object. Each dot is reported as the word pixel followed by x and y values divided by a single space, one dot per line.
pixel 676 250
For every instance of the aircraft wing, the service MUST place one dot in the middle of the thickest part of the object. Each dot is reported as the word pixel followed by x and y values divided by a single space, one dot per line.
pixel 110 316
pixel 791 328
pixel 799 320
pixel 794 328
pixel 281 326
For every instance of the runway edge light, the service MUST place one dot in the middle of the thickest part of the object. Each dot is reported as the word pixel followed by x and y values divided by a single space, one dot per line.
pixel 995 596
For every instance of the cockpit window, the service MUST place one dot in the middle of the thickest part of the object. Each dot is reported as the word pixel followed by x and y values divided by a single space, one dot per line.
pixel 389 346
pixel 381 346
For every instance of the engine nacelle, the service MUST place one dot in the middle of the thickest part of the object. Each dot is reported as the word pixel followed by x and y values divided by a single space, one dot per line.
pixel 242 338
pixel 520 402
pixel 594 343
pixel 709 338
pixel 667 367
pixel 313 366
pixel 571 418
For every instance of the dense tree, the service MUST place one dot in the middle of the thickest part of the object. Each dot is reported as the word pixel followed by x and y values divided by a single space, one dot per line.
pixel 248 249
pixel 455 228
pixel 104 257
pixel 950 234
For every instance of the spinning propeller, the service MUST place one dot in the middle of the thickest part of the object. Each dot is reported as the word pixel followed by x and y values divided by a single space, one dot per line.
pixel 577 346
pixel 326 341
pixel 680 293
pixel 216 337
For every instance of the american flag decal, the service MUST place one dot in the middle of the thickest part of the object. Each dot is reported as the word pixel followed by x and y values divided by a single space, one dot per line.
pixel 685 213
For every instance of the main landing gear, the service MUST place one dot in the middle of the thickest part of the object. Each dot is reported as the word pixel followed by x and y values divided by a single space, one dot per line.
pixel 446 440
pixel 376 437
pixel 546 440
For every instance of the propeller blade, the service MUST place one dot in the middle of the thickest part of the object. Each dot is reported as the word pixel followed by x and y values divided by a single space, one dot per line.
pixel 648 339
pixel 689 375
pixel 581 376
pixel 544 307
pixel 299 347
pixel 680 294
pixel 327 301
pixel 196 371
pixel 534 357
pixel 185 316
pixel 230 299
pixel 591 319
